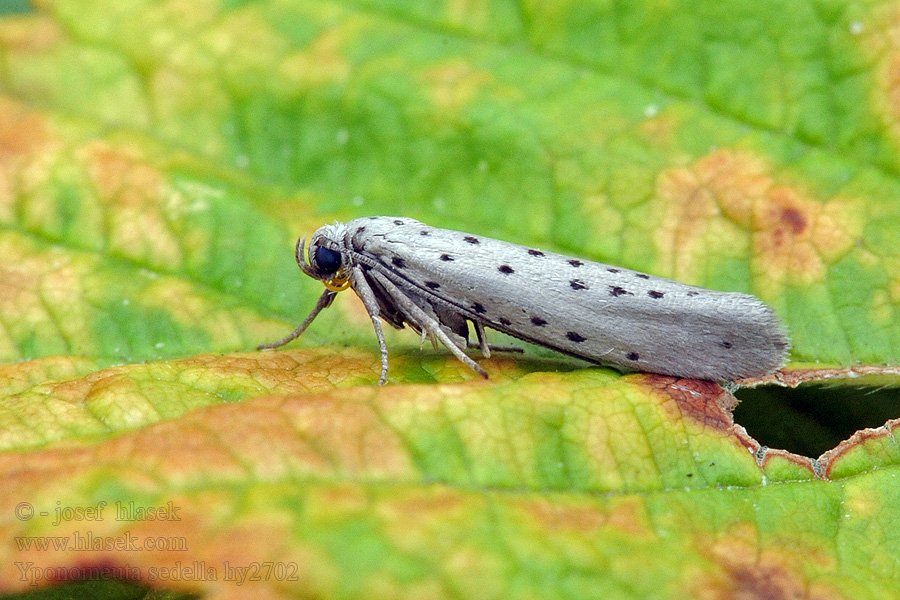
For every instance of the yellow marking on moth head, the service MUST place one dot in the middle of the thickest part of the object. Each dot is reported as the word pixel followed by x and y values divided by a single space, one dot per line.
pixel 338 283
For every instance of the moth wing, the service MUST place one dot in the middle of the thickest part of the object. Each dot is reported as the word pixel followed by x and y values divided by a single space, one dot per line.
pixel 594 311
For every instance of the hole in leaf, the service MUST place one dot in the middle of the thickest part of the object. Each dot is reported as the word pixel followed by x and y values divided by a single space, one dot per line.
pixel 813 419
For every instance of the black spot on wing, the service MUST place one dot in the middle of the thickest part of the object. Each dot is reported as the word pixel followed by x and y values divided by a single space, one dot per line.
pixel 692 294
pixel 505 269
pixel 505 322
pixel 538 322
pixel 578 284
pixel 642 276
pixel 472 239
pixel 575 263
pixel 633 356
pixel 575 337
pixel 479 308
pixel 612 270
pixel 617 291
pixel 360 229
pixel 446 258
pixel 534 252
pixel 398 262
pixel 725 344
pixel 424 232
pixel 432 285
pixel 655 295
pixel 398 222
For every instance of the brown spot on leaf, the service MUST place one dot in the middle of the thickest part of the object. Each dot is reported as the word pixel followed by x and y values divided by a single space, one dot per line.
pixel 36 286
pixel 797 237
pixel 140 205
pixel 761 582
pixel 22 132
pixel 630 516
pixel 626 515
pixel 731 203
pixel 555 515
pixel 750 572
pixel 795 220
pixel 713 193
pixel 28 37
pixel 437 501
pixel 21 287
pixel 24 138
pixel 703 401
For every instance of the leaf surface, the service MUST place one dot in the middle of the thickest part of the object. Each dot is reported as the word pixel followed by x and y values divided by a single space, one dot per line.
pixel 158 160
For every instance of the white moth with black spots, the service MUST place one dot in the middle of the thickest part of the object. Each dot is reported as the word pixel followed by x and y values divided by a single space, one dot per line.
pixel 438 280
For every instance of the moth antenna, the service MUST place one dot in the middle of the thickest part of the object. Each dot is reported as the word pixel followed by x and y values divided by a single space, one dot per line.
pixel 298 251
pixel 300 255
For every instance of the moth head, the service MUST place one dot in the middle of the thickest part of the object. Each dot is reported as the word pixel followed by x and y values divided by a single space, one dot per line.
pixel 326 262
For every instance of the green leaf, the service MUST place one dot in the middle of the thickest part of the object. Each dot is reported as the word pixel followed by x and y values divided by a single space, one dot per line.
pixel 158 160
pixel 557 480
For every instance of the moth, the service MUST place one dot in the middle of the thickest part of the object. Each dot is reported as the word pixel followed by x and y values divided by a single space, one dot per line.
pixel 438 281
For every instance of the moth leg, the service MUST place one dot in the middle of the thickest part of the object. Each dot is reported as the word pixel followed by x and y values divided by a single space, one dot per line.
pixel 426 336
pixel 493 348
pixel 423 336
pixel 486 348
pixel 362 288
pixel 427 323
pixel 482 340
pixel 324 302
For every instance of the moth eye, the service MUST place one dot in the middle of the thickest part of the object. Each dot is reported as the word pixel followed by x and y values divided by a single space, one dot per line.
pixel 327 261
